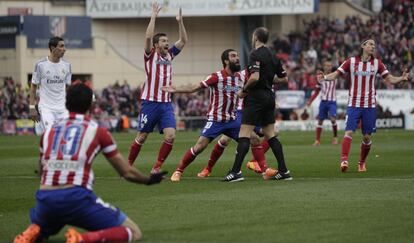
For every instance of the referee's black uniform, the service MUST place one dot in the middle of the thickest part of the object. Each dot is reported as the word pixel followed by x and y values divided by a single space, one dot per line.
pixel 259 104
pixel 259 110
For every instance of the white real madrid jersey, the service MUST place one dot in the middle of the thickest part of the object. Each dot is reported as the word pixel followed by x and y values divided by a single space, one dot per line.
pixel 52 79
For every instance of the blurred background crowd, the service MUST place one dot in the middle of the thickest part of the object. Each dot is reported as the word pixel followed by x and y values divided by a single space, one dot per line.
pixel 301 52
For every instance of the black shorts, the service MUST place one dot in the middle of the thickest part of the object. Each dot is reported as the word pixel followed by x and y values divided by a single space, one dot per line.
pixel 259 108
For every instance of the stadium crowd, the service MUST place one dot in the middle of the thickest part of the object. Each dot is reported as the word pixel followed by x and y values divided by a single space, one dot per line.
pixel 301 52
pixel 118 100
pixel 14 102
pixel 322 38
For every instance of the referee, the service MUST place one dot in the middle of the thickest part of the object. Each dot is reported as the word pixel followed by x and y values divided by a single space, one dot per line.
pixel 259 105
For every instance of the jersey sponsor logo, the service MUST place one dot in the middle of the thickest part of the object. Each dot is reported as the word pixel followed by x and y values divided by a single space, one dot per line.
pixel 364 73
pixel 55 81
pixel 163 62
pixel 230 88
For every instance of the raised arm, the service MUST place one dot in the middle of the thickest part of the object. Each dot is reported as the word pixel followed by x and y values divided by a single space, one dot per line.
pixel 151 27
pixel 181 31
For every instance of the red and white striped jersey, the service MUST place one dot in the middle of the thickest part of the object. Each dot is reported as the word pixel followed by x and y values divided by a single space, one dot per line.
pixel 362 75
pixel 158 73
pixel 223 95
pixel 244 76
pixel 328 90
pixel 68 149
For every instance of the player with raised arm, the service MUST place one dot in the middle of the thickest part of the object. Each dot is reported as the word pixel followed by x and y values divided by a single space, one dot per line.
pixel 327 106
pixel 156 108
pixel 362 70
pixel 51 76
pixel 65 196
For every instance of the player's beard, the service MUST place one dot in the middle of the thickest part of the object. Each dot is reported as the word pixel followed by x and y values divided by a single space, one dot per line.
pixel 234 67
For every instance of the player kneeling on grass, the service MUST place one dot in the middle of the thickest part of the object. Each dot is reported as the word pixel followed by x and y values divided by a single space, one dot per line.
pixel 65 196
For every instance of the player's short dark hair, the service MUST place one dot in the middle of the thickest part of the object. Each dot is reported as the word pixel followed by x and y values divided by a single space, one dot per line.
pixel 262 34
pixel 79 98
pixel 54 41
pixel 225 56
pixel 156 38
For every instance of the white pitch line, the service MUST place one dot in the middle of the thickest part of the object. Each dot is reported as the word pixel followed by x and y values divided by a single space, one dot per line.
pixel 248 178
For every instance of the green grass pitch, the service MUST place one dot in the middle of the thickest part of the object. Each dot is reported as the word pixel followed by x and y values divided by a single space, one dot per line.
pixel 321 204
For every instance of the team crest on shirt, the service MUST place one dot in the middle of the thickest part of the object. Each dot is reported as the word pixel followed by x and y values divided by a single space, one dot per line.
pixel 63 71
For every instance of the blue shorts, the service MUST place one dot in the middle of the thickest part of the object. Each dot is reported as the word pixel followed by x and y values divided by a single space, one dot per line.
pixel 76 206
pixel 368 117
pixel 155 113
pixel 327 109
pixel 257 129
pixel 214 129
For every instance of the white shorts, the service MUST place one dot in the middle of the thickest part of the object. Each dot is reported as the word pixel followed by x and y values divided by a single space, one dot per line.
pixel 49 117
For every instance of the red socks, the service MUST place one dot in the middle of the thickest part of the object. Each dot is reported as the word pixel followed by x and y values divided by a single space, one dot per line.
pixel 259 156
pixel 215 155
pixel 162 155
pixel 346 147
pixel 189 156
pixel 318 132
pixel 165 150
pixel 115 234
pixel 134 151
pixel 265 146
pixel 365 147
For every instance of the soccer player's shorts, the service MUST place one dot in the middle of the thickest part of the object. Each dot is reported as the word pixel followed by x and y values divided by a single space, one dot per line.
pixel 48 117
pixel 367 116
pixel 259 108
pixel 213 129
pixel 76 206
pixel 156 113
pixel 327 109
